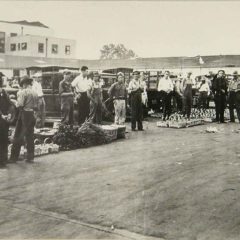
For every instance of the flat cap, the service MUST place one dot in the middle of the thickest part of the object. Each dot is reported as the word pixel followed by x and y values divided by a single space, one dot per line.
pixel 66 72
pixel 96 74
pixel 136 72
pixel 235 73
pixel 120 74
pixel 26 80
pixel 38 74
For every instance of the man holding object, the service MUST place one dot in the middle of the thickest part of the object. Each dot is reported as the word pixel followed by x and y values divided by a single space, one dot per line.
pixel 81 85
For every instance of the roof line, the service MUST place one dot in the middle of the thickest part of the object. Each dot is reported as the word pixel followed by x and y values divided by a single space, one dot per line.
pixel 26 23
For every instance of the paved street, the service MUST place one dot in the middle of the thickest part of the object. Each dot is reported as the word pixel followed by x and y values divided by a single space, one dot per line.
pixel 174 184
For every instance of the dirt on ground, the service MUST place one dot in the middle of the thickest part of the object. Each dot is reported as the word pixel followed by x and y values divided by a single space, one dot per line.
pixel 175 184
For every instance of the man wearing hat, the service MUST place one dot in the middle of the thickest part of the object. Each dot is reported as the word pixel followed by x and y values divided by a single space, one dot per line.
pixel 178 93
pixel 5 117
pixel 81 85
pixel 118 93
pixel 204 92
pixel 220 88
pixel 66 96
pixel 135 89
pixel 187 87
pixel 27 103
pixel 232 97
pixel 41 113
pixel 15 82
pixel 95 95
pixel 165 88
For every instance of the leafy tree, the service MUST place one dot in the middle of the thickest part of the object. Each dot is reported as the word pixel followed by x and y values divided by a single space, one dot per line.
pixel 116 51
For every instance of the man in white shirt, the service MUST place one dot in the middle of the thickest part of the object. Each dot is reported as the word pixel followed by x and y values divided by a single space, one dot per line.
pixel 41 112
pixel 81 85
pixel 204 91
pixel 165 89
pixel 187 86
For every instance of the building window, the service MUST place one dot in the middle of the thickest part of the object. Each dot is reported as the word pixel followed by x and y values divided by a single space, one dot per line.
pixel 41 48
pixel 24 46
pixel 67 50
pixel 19 46
pixel 13 34
pixel 2 42
pixel 54 48
pixel 13 47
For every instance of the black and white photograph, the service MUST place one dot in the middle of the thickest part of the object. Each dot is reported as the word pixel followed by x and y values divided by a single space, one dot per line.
pixel 120 120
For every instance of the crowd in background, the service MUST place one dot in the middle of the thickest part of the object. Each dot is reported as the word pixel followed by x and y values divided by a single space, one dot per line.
pixel 219 89
pixel 86 92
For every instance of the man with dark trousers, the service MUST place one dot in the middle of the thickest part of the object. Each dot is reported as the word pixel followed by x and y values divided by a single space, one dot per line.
pixel 187 85
pixel 66 97
pixel 5 116
pixel 219 88
pixel 165 89
pixel 135 89
pixel 27 103
pixel 81 85
pixel 233 88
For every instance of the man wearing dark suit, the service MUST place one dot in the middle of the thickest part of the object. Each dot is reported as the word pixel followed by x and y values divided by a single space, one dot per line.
pixel 5 116
pixel 219 88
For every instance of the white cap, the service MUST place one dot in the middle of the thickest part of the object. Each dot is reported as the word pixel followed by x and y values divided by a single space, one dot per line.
pixel 66 71
pixel 38 74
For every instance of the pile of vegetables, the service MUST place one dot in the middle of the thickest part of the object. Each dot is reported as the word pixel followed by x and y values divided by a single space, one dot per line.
pixel 201 114
pixel 195 114
pixel 72 137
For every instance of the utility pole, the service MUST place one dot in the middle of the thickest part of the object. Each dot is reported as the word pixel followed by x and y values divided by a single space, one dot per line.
pixel 46 48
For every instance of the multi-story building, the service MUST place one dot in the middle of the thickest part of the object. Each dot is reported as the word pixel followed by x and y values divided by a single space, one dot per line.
pixel 33 39
pixel 40 46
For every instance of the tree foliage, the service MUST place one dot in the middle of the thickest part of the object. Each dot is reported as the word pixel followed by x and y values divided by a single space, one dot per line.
pixel 116 51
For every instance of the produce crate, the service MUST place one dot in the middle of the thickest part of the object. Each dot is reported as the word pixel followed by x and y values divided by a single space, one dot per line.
pixel 39 150
pixel 121 130
pixel 175 124
pixel 110 131
pixel 156 115
pixel 45 149
pixel 44 133
pixel 207 120
pixel 162 124
pixel 194 122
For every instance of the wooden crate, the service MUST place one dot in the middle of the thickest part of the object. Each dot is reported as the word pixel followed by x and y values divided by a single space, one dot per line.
pixel 195 122
pixel 121 131
pixel 177 124
pixel 111 131
pixel 162 124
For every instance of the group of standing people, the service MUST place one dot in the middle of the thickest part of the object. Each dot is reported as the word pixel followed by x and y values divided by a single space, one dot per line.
pixel 27 105
pixel 224 92
pixel 28 111
pixel 86 92
pixel 182 90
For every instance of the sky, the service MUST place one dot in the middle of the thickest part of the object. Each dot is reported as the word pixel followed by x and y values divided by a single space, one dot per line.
pixel 150 28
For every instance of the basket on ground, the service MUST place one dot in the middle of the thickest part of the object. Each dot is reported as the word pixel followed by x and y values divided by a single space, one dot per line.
pixel 110 132
pixel 121 130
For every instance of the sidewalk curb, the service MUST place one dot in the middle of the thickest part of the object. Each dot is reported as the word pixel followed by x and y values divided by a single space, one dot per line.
pixel 121 233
